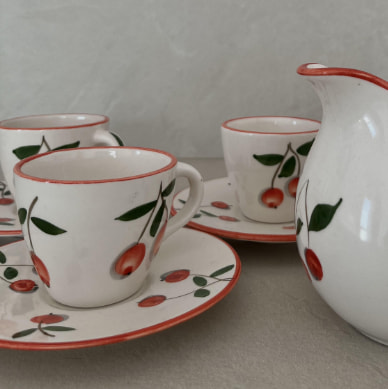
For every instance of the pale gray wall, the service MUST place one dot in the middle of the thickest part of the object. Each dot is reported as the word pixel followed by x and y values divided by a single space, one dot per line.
pixel 169 72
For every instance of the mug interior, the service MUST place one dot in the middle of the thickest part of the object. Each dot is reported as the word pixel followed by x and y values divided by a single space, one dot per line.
pixel 53 121
pixel 272 125
pixel 94 164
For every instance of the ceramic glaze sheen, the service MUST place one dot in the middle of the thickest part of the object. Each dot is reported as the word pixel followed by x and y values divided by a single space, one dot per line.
pixel 341 206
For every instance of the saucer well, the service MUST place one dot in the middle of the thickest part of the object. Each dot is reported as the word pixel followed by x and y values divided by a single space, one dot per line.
pixel 9 222
pixel 219 215
pixel 192 272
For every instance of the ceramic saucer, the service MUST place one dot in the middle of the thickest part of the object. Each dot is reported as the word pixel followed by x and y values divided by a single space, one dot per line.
pixel 219 215
pixel 9 223
pixel 192 272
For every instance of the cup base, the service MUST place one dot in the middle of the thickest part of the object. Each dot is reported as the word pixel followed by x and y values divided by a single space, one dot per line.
pixel 73 306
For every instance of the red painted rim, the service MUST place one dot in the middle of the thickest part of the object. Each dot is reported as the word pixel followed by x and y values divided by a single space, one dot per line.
pixel 18 167
pixel 11 233
pixel 228 125
pixel 264 238
pixel 100 119
pixel 137 333
pixel 308 70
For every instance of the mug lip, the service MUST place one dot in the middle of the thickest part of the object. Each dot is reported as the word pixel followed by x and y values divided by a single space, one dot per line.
pixel 18 167
pixel 227 125
pixel 100 119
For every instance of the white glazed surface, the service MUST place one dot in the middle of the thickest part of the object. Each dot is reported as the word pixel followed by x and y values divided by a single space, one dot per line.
pixel 58 130
pixel 81 260
pixel 243 138
pixel 346 168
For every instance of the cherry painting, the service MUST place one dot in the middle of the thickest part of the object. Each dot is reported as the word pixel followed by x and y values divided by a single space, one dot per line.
pixel 45 325
pixel 288 165
pixel 155 225
pixel 25 216
pixel 202 284
pixel 9 274
pixel 320 218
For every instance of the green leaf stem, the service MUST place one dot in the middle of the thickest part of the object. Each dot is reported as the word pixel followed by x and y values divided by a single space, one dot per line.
pixel 168 189
pixel 157 219
pixel 10 273
pixel 269 159
pixel 322 216
pixel 222 271
pixel 3 258
pixel 26 151
pixel 288 167
pixel 22 214
pixel 304 149
pixel 137 212
pixel 47 227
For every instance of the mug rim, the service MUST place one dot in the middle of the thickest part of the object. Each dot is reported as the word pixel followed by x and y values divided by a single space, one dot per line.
pixel 18 167
pixel 227 125
pixel 100 119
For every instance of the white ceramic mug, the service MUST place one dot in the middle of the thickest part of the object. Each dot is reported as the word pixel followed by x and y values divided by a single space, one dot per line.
pixel 264 157
pixel 25 136
pixel 94 218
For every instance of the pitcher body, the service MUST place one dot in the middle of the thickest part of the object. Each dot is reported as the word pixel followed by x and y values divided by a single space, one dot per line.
pixel 342 198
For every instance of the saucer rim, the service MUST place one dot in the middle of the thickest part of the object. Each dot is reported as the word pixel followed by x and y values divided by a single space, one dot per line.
pixel 141 332
pixel 262 238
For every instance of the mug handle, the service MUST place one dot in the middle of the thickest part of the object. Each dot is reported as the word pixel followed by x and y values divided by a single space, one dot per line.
pixel 193 202
pixel 107 138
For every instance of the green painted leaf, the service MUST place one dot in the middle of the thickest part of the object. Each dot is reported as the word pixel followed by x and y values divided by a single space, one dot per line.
pixel 197 215
pixel 222 271
pixel 7 193
pixel 68 146
pixel 169 189
pixel 23 333
pixel 47 227
pixel 322 216
pixel 305 148
pixel 118 139
pixel 269 159
pixel 200 281
pixel 299 225
pixel 6 224
pixel 182 201
pixel 3 258
pixel 157 219
pixel 26 151
pixel 58 328
pixel 22 214
pixel 207 213
pixel 10 273
pixel 137 212
pixel 288 168
pixel 201 293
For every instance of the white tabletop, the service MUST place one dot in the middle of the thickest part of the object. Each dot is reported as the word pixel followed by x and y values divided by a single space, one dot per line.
pixel 272 331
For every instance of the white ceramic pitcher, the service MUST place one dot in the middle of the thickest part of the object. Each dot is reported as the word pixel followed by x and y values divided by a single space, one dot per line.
pixel 342 198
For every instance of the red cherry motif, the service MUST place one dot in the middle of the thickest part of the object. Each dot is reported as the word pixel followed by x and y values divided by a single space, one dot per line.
pixel 313 264
pixel 272 197
pixel 130 260
pixel 177 275
pixel 40 269
pixel 6 201
pixel 228 218
pixel 151 301
pixel 292 186
pixel 220 204
pixel 48 319
pixel 23 286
